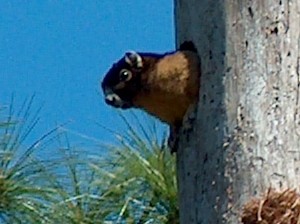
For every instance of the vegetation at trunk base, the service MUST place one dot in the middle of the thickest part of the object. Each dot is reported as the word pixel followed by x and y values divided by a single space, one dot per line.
pixel 140 178
pixel 134 182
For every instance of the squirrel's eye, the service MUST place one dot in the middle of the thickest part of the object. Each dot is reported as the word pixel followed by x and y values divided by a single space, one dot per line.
pixel 125 75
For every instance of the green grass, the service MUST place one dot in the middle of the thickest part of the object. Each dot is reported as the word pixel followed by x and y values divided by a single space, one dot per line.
pixel 22 190
pixel 139 175
pixel 134 182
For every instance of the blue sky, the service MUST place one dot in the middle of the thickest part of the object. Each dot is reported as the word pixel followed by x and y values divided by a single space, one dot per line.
pixel 60 50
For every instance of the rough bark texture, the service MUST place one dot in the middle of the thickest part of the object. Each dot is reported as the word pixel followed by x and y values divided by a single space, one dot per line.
pixel 246 136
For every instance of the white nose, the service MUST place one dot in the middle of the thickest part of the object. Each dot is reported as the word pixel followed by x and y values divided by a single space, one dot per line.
pixel 112 99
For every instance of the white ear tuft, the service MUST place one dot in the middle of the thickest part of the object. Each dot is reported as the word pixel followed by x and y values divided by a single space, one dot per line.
pixel 134 59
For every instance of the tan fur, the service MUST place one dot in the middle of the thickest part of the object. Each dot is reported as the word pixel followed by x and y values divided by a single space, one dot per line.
pixel 170 87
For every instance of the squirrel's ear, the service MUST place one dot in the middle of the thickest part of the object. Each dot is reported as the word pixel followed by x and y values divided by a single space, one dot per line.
pixel 134 59
pixel 188 46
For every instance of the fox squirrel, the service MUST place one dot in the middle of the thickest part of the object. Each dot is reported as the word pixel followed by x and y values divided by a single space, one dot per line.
pixel 164 85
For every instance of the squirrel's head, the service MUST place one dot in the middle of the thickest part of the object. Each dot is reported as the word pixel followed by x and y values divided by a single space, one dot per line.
pixel 123 81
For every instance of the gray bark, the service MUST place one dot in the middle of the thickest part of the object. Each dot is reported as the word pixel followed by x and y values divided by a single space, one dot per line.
pixel 246 135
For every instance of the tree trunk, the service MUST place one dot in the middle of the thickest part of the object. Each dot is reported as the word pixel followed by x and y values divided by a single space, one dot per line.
pixel 245 138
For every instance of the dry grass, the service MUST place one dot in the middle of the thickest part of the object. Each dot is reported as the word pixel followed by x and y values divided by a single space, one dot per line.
pixel 273 208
